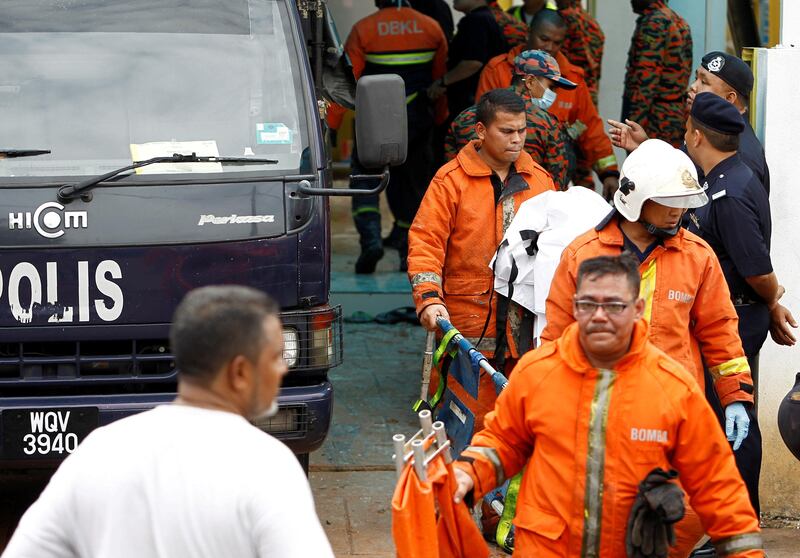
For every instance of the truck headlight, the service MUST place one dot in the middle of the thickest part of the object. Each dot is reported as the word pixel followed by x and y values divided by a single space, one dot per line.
pixel 291 346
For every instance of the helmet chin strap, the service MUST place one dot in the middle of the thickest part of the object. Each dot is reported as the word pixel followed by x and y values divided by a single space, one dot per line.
pixel 659 232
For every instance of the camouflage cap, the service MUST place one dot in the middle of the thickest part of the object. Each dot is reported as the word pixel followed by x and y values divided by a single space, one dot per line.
pixel 539 63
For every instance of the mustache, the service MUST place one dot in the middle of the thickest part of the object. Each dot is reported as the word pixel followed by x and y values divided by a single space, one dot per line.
pixel 599 329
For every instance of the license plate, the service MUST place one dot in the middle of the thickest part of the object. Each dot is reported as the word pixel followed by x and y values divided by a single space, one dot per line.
pixel 45 433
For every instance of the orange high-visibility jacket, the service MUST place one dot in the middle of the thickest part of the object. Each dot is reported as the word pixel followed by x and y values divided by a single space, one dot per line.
pixel 589 436
pixel 426 523
pixel 400 41
pixel 397 37
pixel 457 230
pixel 572 107
pixel 689 307
pixel 454 236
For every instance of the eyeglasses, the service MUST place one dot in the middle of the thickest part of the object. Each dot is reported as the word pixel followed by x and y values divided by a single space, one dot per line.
pixel 610 308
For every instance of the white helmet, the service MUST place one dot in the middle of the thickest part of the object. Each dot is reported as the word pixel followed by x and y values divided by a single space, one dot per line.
pixel 659 172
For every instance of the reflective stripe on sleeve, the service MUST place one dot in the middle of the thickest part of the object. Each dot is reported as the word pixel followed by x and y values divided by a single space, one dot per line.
pixel 401 59
pixel 733 366
pixel 739 543
pixel 490 454
pixel 426 277
pixel 605 162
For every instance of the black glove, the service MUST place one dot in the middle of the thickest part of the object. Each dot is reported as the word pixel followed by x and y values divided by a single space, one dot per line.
pixel 658 505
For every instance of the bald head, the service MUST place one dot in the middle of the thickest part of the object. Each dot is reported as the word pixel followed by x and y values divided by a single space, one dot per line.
pixel 548 17
pixel 548 31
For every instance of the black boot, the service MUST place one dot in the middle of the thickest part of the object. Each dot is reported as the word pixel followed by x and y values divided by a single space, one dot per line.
pixel 368 259
pixel 369 231
pixel 394 237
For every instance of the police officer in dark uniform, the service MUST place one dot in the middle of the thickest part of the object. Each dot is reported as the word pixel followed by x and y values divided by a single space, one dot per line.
pixel 727 77
pixel 737 224
pixel 730 77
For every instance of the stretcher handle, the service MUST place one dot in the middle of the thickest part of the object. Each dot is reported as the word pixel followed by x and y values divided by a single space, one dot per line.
pixel 477 358
pixel 427 365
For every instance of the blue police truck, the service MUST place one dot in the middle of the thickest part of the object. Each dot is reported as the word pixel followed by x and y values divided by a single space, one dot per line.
pixel 147 148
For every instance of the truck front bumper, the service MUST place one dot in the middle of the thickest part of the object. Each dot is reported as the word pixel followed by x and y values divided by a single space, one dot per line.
pixel 302 421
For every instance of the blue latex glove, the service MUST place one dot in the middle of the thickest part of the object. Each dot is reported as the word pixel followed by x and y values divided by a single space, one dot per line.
pixel 737 424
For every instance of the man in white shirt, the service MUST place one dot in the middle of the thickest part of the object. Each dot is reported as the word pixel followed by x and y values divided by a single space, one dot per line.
pixel 193 478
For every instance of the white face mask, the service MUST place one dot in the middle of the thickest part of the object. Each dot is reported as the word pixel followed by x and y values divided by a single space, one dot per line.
pixel 547 99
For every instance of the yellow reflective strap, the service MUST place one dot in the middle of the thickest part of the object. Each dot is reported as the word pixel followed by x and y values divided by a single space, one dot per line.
pixel 442 348
pixel 509 512
pixel 733 366
pixel 401 59
pixel 647 288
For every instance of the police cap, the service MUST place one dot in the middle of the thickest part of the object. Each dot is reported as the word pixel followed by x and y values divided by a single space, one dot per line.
pixel 730 69
pixel 715 113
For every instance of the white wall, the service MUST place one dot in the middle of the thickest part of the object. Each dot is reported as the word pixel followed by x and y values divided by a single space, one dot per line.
pixel 617 21
pixel 777 71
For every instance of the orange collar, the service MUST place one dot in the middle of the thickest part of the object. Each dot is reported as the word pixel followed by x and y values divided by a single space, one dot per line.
pixel 473 165
pixel 512 54
pixel 571 351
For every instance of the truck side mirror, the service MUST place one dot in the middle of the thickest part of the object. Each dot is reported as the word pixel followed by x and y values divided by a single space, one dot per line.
pixel 381 134
pixel 381 121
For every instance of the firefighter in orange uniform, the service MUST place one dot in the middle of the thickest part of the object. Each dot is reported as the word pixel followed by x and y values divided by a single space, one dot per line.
pixel 687 302
pixel 593 415
pixel 398 40
pixel 574 108
pixel 689 306
pixel 462 219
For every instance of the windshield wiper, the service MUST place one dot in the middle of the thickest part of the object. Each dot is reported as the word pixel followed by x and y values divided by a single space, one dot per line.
pixel 12 153
pixel 70 191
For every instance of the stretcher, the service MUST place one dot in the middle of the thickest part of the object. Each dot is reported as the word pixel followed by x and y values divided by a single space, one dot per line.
pixel 457 360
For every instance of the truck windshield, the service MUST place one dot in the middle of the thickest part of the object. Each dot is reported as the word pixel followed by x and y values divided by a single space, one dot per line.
pixel 105 84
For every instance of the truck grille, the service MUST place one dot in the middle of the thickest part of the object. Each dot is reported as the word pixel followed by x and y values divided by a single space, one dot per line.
pixel 64 362
pixel 291 421
pixel 313 341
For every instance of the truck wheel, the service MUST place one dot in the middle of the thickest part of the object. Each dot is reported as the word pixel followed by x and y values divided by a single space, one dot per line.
pixel 303 458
